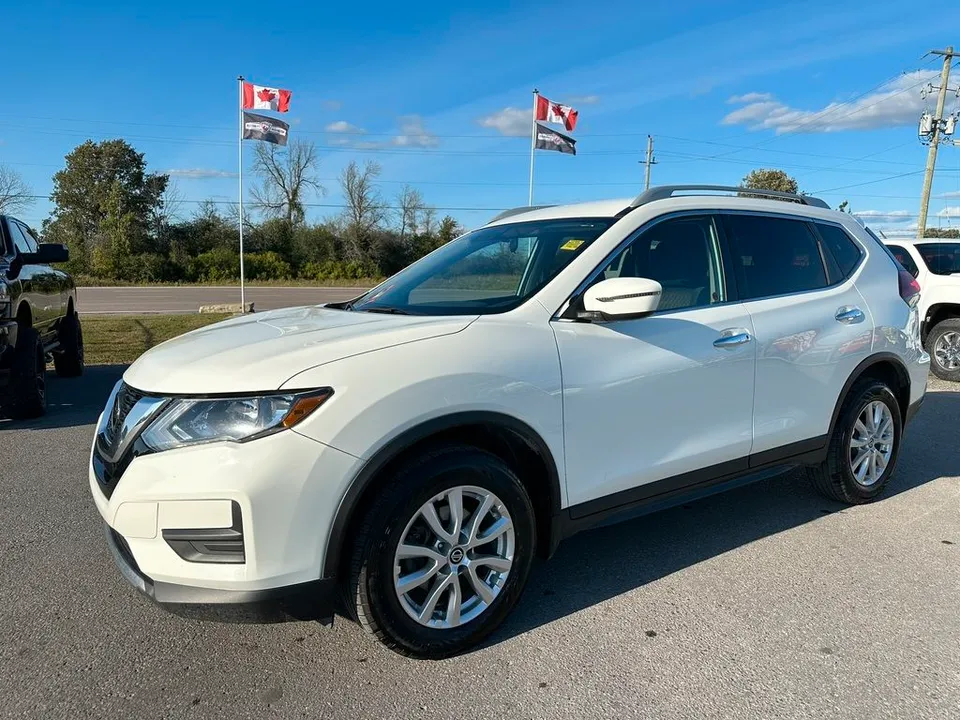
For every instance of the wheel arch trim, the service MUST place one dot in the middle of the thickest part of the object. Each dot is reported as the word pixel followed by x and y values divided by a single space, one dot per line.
pixel 860 370
pixel 362 480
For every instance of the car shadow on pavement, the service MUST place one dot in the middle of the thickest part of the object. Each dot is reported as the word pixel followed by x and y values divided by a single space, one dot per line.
pixel 605 562
pixel 72 402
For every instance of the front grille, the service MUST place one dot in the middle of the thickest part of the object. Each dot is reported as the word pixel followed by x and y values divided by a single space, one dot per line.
pixel 127 397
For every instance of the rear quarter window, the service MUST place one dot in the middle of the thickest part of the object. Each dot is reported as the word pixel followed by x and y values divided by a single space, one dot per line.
pixel 844 250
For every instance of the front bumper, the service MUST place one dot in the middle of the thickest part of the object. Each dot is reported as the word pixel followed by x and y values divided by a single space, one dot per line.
pixel 277 496
pixel 317 599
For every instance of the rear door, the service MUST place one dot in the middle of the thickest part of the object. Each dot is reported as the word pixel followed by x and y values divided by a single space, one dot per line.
pixel 811 324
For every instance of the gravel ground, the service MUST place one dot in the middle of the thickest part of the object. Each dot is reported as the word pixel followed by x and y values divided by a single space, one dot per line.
pixel 765 602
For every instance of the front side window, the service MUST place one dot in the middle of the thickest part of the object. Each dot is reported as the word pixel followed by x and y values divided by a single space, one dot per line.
pixel 941 258
pixel 682 254
pixel 903 257
pixel 19 240
pixel 774 256
pixel 489 270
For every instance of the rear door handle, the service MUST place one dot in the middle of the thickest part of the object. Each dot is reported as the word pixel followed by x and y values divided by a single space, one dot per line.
pixel 849 315
pixel 732 338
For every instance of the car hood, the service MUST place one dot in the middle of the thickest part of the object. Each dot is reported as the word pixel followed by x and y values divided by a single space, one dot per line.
pixel 259 352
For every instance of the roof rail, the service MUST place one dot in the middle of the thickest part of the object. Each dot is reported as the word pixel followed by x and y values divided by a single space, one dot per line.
pixel 517 211
pixel 666 191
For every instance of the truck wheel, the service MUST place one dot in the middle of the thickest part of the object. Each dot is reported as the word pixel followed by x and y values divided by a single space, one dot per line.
pixel 68 360
pixel 28 377
pixel 944 347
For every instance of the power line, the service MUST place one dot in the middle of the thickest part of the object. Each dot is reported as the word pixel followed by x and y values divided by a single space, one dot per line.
pixel 868 182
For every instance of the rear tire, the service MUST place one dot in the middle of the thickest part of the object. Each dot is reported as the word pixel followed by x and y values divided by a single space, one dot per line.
pixel 68 359
pixel 473 583
pixel 27 396
pixel 943 344
pixel 864 447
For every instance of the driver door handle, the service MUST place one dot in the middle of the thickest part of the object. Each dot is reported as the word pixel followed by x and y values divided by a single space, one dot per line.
pixel 732 338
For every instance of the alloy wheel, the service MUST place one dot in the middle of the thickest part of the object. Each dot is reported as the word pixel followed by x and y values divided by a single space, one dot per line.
pixel 871 443
pixel 454 557
pixel 947 350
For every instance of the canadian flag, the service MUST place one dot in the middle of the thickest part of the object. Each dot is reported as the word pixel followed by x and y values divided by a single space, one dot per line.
pixel 258 97
pixel 556 113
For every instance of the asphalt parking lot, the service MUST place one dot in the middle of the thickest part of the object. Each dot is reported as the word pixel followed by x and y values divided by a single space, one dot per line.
pixel 766 602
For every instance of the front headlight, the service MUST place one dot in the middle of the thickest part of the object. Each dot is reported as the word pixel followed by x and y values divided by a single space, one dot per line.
pixel 191 421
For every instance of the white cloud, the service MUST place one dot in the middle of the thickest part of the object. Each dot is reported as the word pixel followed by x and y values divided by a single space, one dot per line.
pixel 895 104
pixel 509 121
pixel 749 98
pixel 414 134
pixel 332 105
pixel 342 126
pixel 582 100
pixel 200 173
pixel 952 193
pixel 890 216
pixel 951 211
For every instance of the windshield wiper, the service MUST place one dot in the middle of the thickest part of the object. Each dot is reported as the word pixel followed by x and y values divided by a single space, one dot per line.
pixel 386 310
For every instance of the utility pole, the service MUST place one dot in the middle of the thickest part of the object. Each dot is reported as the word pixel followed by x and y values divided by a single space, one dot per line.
pixel 938 120
pixel 648 162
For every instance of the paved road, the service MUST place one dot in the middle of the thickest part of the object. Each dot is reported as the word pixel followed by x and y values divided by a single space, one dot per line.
pixel 766 602
pixel 188 299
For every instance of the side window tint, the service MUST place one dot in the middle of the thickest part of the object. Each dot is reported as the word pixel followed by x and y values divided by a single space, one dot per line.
pixel 844 250
pixel 903 257
pixel 941 258
pixel 31 240
pixel 774 256
pixel 682 255
pixel 19 241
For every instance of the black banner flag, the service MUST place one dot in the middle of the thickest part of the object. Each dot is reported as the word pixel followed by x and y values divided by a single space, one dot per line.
pixel 268 129
pixel 548 139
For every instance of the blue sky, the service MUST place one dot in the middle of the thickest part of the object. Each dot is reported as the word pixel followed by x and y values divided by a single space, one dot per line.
pixel 438 93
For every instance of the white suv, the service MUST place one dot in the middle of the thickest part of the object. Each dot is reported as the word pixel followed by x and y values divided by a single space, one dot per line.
pixel 402 457
pixel 936 266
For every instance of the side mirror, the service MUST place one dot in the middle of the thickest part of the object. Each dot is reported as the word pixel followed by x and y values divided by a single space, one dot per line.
pixel 47 253
pixel 623 298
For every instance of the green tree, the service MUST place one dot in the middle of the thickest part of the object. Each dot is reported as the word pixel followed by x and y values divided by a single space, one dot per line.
pixel 769 179
pixel 448 230
pixel 105 201
pixel 844 207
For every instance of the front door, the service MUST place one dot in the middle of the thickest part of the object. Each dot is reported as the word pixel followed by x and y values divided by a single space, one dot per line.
pixel 653 398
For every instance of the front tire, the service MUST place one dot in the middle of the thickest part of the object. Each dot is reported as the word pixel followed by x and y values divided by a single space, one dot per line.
pixel 943 344
pixel 28 377
pixel 68 360
pixel 864 447
pixel 443 555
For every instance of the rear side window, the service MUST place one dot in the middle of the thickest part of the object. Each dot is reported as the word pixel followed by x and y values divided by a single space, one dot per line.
pixel 903 257
pixel 941 258
pixel 774 256
pixel 844 250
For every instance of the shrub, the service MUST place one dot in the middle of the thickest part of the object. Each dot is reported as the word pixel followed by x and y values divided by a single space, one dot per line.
pixel 265 266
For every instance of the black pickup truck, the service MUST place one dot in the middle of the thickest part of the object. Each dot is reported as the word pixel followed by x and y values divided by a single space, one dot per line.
pixel 38 320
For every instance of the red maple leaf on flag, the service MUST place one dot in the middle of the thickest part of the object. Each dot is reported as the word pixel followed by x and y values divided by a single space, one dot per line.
pixel 265 95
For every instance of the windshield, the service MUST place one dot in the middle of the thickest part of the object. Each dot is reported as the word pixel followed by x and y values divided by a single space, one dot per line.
pixel 942 258
pixel 490 270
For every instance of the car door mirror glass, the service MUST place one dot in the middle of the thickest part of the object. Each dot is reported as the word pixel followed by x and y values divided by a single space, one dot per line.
pixel 623 298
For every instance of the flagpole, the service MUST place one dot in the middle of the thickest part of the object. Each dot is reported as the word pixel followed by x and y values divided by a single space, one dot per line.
pixel 243 303
pixel 533 141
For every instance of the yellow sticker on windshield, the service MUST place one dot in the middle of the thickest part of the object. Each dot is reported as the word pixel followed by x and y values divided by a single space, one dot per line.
pixel 572 244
